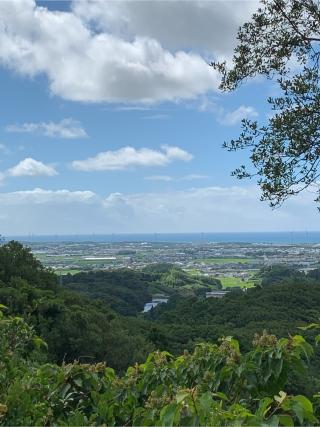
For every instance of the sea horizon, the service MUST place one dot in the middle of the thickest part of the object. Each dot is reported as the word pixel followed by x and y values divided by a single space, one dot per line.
pixel 267 237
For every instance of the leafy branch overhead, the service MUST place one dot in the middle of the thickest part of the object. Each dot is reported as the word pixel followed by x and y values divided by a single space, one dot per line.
pixel 280 42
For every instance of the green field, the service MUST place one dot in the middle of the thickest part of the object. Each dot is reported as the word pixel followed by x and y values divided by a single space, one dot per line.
pixel 192 271
pixel 229 282
pixel 225 260
pixel 74 261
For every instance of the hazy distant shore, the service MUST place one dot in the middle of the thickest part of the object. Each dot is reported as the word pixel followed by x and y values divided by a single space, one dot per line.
pixel 294 237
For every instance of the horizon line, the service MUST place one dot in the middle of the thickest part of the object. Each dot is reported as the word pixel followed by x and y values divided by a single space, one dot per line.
pixel 156 233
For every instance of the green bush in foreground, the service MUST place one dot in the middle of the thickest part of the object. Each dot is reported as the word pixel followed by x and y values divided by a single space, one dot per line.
pixel 215 385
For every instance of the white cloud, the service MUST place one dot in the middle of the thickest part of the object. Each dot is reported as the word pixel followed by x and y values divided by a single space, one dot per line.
pixel 207 104
pixel 51 212
pixel 193 177
pixel 132 108
pixel 165 178
pixel 159 116
pixel 83 64
pixel 208 209
pixel 202 209
pixel 198 25
pixel 31 167
pixel 233 117
pixel 41 196
pixel 128 157
pixel 66 128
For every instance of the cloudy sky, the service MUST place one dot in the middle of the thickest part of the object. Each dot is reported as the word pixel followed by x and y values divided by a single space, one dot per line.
pixel 111 120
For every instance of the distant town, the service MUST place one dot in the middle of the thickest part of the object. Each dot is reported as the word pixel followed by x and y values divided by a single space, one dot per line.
pixel 235 264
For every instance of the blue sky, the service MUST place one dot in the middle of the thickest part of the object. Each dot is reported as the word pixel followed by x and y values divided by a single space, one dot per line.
pixel 112 121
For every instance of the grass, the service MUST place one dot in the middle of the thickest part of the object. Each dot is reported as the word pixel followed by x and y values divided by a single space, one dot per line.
pixel 192 271
pixel 230 282
pixel 225 260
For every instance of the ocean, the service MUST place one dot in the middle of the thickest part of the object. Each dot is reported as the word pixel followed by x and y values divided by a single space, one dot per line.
pixel 285 237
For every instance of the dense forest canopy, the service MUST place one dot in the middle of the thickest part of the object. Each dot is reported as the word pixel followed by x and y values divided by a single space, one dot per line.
pixel 58 347
pixel 217 384
pixel 73 325
pixel 127 291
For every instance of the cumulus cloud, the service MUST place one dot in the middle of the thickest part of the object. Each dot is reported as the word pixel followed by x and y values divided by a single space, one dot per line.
pixel 193 177
pixel 201 209
pixel 167 178
pixel 66 128
pixel 128 157
pixel 31 167
pixel 41 196
pixel 231 118
pixel 50 212
pixel 209 104
pixel 83 63
pixel 208 26
pixel 159 116
pixel 208 209
pixel 132 108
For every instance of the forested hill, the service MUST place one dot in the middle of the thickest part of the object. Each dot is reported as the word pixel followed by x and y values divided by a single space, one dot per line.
pixel 57 347
pixel 87 316
pixel 280 309
pixel 126 291
pixel 73 325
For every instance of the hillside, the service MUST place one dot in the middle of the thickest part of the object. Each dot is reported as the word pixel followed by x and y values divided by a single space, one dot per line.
pixel 73 325
pixel 126 291
pixel 279 308
pixel 58 348
pixel 214 385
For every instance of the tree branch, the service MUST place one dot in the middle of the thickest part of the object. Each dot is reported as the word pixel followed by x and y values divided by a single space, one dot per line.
pixel 293 25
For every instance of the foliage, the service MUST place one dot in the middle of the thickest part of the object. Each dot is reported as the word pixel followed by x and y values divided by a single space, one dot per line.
pixel 278 273
pixel 126 291
pixel 281 42
pixel 19 349
pixel 173 280
pixel 75 327
pixel 178 279
pixel 260 380
pixel 314 274
pixel 280 308
pixel 18 263
pixel 215 385
pixel 158 268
